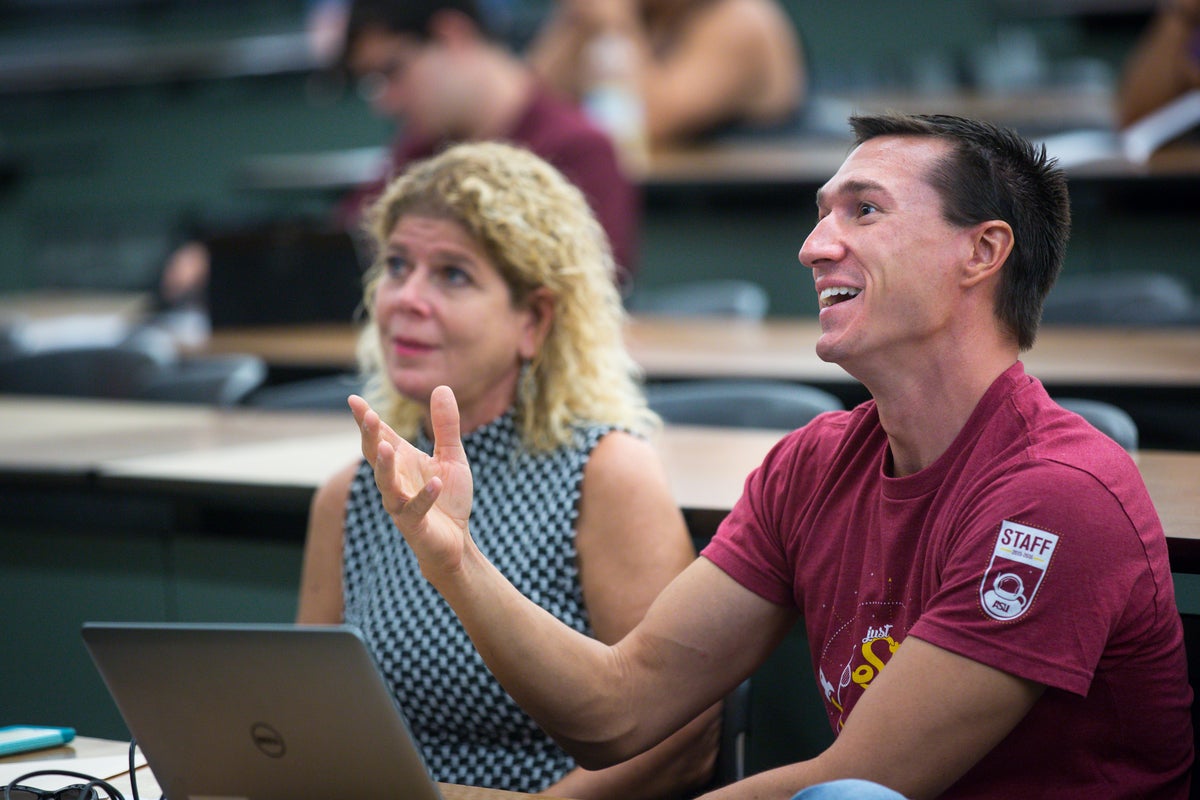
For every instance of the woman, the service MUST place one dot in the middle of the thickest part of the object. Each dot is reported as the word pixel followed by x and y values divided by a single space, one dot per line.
pixel 493 277
pixel 699 65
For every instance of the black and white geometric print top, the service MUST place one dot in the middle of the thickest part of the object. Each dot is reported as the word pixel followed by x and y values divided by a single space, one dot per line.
pixel 523 519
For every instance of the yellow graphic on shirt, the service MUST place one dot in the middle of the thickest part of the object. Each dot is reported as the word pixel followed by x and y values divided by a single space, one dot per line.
pixel 875 649
pixel 865 673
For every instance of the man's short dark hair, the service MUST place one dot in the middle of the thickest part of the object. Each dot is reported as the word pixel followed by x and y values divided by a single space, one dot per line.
pixel 406 17
pixel 994 173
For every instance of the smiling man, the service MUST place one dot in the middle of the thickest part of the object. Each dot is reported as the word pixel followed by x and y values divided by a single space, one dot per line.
pixel 982 575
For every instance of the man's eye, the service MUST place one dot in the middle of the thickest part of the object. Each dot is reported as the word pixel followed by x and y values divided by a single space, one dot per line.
pixel 865 208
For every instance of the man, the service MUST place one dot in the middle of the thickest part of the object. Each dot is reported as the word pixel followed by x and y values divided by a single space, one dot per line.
pixel 432 66
pixel 985 563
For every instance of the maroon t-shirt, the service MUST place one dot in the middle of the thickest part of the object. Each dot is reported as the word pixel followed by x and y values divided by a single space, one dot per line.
pixel 1031 545
pixel 562 135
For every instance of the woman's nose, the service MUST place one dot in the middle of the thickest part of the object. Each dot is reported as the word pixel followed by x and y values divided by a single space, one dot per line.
pixel 410 293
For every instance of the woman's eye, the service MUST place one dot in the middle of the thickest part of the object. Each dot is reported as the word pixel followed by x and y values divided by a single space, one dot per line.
pixel 397 266
pixel 455 276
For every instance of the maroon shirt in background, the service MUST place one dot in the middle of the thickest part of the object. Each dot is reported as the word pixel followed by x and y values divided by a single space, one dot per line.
pixel 561 134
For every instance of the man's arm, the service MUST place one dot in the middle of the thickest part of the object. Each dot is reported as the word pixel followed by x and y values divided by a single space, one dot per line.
pixel 927 718
pixel 603 703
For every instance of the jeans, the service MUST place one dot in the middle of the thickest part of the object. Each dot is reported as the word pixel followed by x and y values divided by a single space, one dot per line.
pixel 849 789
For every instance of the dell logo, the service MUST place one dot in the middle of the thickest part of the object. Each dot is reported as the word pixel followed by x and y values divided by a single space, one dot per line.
pixel 267 740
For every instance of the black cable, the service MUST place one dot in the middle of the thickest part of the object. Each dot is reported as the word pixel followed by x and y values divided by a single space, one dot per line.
pixel 89 788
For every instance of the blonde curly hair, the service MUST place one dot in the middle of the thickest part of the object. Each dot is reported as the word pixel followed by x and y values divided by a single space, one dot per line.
pixel 538 231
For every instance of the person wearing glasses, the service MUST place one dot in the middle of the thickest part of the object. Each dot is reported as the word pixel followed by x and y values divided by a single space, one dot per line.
pixel 982 575
pixel 493 276
pixel 435 68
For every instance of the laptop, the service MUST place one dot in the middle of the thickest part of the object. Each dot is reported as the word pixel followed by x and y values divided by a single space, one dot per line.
pixel 259 711
pixel 283 273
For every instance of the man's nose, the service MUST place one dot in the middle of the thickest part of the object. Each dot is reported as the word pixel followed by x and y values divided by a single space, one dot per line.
pixel 822 245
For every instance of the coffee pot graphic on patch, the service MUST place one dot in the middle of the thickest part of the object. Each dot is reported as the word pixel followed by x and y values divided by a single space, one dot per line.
pixel 1006 598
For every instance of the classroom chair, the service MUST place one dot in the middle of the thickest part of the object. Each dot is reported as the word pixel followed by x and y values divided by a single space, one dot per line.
pixel 735 729
pixel 740 403
pixel 223 380
pixel 99 371
pixel 325 393
pixel 1191 643
pixel 136 369
pixel 1120 298
pixel 706 298
pixel 1107 418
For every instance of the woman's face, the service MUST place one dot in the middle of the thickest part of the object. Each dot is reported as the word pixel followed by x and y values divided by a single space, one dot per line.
pixel 445 316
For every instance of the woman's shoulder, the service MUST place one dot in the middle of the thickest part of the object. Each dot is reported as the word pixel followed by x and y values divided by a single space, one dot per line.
pixel 620 456
pixel 334 492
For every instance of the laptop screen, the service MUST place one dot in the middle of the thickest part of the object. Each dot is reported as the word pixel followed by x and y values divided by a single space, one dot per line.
pixel 266 712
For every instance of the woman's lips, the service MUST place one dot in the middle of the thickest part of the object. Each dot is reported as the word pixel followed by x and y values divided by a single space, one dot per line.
pixel 409 347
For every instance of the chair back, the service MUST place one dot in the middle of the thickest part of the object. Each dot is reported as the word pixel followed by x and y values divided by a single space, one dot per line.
pixel 711 298
pixel 222 380
pixel 735 728
pixel 1120 298
pixel 102 371
pixel 740 403
pixel 326 393
pixel 1191 643
pixel 1107 418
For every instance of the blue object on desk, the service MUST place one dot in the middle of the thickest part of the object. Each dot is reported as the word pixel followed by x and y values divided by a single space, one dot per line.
pixel 21 738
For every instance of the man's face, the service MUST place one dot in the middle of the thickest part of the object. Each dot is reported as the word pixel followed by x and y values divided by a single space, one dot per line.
pixel 883 258
pixel 410 81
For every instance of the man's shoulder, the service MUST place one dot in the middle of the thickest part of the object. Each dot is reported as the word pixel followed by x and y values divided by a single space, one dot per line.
pixel 552 123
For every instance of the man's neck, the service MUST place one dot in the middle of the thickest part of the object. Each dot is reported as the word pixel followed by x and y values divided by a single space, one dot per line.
pixel 924 407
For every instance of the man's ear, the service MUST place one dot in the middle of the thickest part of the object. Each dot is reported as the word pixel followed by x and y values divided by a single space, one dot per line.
pixel 539 307
pixel 992 243
pixel 451 27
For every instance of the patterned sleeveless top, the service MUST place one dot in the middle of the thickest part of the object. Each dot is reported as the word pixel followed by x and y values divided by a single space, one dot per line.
pixel 523 519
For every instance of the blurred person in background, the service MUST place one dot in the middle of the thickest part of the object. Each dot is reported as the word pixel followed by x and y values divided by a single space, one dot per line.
pixel 1164 64
pixel 435 68
pixel 697 66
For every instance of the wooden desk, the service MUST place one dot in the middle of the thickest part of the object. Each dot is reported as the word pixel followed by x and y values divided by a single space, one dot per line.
pixel 89 747
pixel 676 348
pixel 279 458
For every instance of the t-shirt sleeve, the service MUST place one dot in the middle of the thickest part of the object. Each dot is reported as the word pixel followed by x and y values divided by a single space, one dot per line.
pixel 749 545
pixel 1039 573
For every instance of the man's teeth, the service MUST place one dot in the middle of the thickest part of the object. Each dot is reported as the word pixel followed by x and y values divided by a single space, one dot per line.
pixel 846 292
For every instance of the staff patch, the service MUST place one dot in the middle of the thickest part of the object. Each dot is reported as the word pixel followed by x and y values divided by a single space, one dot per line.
pixel 1019 563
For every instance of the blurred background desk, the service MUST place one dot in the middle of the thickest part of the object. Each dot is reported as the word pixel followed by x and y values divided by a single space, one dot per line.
pixel 1153 373
pixel 671 348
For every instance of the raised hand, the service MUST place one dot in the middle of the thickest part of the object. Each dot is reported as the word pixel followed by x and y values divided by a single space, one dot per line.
pixel 429 498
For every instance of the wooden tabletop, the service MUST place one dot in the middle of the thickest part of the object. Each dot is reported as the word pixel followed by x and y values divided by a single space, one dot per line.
pixel 670 348
pixel 90 747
